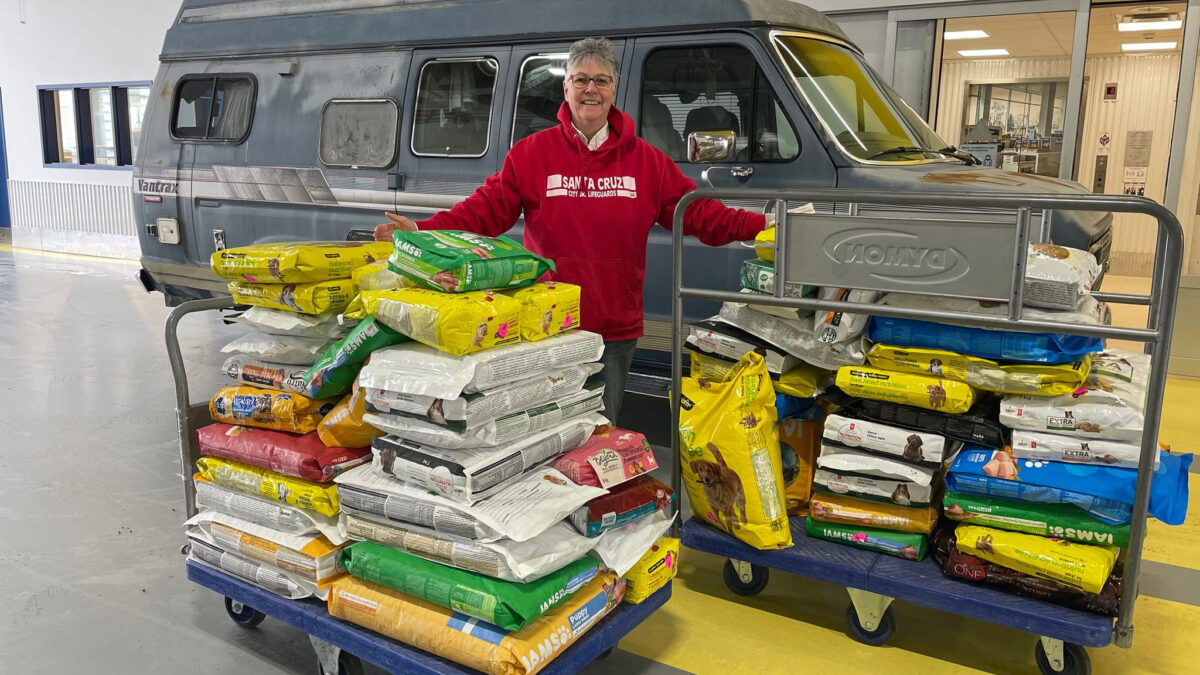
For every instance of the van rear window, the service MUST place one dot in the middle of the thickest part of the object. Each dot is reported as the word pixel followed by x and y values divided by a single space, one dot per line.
pixel 359 133
pixel 453 117
pixel 213 108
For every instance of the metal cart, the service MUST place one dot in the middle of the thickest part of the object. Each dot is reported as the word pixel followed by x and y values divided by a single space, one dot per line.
pixel 340 645
pixel 984 258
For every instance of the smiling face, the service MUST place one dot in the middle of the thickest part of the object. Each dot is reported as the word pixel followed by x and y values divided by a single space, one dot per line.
pixel 589 105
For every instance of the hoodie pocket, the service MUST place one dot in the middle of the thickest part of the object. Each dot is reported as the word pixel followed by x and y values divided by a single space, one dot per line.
pixel 607 297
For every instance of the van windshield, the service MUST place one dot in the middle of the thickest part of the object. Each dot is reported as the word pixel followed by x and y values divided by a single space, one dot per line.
pixel 868 119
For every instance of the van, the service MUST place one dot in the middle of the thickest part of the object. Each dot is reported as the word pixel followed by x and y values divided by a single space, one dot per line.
pixel 306 120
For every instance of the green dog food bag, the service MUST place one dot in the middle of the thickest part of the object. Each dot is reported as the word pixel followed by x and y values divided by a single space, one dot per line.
pixel 1061 521
pixel 900 544
pixel 333 374
pixel 455 262
pixel 507 604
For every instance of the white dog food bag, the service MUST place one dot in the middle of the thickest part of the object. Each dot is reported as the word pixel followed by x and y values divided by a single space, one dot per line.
pixel 251 371
pixel 795 337
pixel 1057 277
pixel 832 327
pixel 714 336
pixel 278 322
pixel 273 514
pixel 285 349
pixel 899 492
pixel 1094 413
pixel 250 571
pixel 1055 448
pixel 836 458
pixel 1089 310
pixel 914 446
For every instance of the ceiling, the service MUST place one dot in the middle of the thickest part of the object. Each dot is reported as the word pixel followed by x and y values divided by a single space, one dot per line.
pixel 1051 34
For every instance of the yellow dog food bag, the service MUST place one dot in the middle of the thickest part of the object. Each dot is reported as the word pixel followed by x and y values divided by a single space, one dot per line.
pixel 377 277
pixel 298 262
pixel 265 483
pixel 455 323
pixel 764 244
pixel 268 409
pixel 547 308
pixel 469 642
pixel 933 393
pixel 314 298
pixel 729 437
pixel 801 381
pixel 851 511
pixel 980 373
pixel 1078 565
pixel 653 571
pixel 344 427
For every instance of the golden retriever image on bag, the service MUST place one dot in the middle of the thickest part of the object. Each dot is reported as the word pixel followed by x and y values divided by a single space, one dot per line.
pixel 729 437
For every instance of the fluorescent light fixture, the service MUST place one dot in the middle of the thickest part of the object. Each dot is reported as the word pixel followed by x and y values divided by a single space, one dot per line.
pixel 964 35
pixel 1145 46
pixel 986 52
pixel 1130 26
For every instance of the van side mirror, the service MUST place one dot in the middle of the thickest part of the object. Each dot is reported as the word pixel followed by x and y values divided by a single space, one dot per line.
pixel 710 146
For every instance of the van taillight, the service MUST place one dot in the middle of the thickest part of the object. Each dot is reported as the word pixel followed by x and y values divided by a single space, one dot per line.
pixel 152 199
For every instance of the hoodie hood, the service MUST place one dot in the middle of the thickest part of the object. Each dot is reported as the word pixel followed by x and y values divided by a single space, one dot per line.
pixel 620 127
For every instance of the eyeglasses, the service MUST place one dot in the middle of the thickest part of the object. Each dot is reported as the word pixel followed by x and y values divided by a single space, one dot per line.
pixel 581 81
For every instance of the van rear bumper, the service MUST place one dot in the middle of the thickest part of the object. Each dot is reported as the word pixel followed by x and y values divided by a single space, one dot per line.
pixel 178 282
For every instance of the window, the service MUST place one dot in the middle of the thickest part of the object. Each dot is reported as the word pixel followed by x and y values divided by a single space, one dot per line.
pixel 713 89
pixel 454 108
pixel 359 133
pixel 92 126
pixel 539 95
pixel 213 108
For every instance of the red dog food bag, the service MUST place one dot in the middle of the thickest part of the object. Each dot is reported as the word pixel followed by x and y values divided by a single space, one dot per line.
pixel 291 455
pixel 608 459
pixel 623 504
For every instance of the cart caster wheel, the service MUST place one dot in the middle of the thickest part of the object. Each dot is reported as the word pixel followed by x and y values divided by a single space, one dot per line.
pixel 882 634
pixel 759 576
pixel 348 664
pixel 243 615
pixel 1075 660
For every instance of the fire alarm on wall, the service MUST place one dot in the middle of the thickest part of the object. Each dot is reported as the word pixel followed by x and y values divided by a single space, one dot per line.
pixel 1110 91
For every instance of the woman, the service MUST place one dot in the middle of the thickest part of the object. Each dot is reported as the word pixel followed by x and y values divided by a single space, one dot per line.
pixel 591 190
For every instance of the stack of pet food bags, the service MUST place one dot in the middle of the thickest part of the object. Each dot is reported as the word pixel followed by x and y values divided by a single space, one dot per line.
pixel 265 474
pixel 468 542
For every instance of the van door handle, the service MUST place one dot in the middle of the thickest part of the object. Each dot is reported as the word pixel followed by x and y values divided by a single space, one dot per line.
pixel 210 203
pixel 736 171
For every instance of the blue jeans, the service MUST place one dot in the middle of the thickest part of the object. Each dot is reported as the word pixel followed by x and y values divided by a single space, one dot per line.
pixel 617 358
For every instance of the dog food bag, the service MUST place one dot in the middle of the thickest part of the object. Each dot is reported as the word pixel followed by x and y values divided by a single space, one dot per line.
pixel 279 322
pixel 1055 448
pixel 1058 277
pixel 912 446
pixel 608 458
pixel 713 336
pixel 454 323
pixel 318 297
pixel 255 480
pixel 921 391
pixel 1087 413
pixel 978 425
pixel 344 426
pixel 296 263
pixel 272 514
pixel 1039 348
pixel 1079 565
pixel 622 505
pixel 900 544
pixel 1061 521
pixel 285 349
pixel 267 409
pixel 1122 373
pixel 728 432
pixel 471 475
pixel 653 571
pixel 423 371
pixel 759 276
pixel 247 370
pixel 475 410
pixel 520 511
pixel 773 310
pixel 547 308
pixel 310 557
pixel 304 456
pixel 799 379
pixel 851 511
pixel 620 548
pixel 981 373
pixel 958 565
pixel 450 261
pixel 840 459
pixel 794 337
pixel 377 277
pixel 882 490
pixel 1089 312
pixel 250 571
pixel 799 442
pixel 1104 492
pixel 459 638
pixel 764 246
pixel 509 605
pixel 334 372
pixel 831 327
pixel 501 431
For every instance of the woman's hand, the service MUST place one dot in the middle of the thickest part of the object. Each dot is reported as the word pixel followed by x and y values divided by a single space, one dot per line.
pixel 383 231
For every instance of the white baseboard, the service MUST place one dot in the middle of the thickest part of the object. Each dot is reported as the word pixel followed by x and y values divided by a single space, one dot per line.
pixel 81 243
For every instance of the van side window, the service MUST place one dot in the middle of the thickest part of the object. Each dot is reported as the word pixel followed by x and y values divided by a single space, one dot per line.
pixel 539 94
pixel 359 133
pixel 691 89
pixel 213 108
pixel 454 108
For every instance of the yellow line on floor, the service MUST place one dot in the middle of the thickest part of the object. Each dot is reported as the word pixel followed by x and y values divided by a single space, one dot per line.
pixel 9 248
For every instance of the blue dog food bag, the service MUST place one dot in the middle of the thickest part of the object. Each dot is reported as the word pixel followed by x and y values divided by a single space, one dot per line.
pixel 998 345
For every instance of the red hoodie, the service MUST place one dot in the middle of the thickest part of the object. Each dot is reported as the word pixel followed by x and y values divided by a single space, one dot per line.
pixel 591 213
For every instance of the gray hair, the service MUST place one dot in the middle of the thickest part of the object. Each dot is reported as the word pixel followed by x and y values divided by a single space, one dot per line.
pixel 599 49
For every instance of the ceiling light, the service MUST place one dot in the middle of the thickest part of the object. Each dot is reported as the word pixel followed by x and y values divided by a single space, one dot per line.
pixel 1141 26
pixel 1145 46
pixel 987 52
pixel 964 35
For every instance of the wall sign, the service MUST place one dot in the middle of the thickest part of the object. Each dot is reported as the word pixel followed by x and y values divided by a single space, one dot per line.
pixel 1137 148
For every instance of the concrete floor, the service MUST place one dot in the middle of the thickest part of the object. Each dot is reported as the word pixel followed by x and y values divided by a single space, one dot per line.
pixel 91 508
